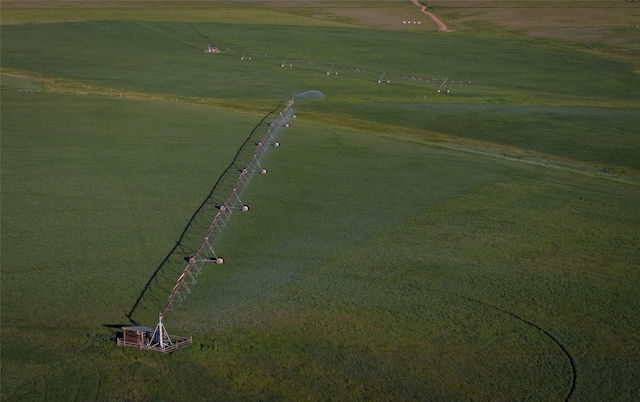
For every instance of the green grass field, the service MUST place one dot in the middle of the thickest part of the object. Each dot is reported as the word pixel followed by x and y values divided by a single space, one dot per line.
pixel 405 244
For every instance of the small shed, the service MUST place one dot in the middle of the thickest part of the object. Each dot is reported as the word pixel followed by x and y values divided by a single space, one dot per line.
pixel 136 336
pixel 156 339
pixel 212 49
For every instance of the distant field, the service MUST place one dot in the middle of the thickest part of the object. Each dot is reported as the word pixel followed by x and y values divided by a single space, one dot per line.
pixel 162 11
pixel 610 28
pixel 405 245
pixel 507 93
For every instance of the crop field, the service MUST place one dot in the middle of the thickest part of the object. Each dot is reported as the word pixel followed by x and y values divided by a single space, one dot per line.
pixel 480 242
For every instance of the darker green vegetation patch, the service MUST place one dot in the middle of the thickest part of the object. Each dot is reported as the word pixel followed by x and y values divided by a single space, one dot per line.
pixel 605 136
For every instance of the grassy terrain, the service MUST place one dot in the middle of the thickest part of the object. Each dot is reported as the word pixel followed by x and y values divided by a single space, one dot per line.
pixel 609 28
pixel 405 245
pixel 606 136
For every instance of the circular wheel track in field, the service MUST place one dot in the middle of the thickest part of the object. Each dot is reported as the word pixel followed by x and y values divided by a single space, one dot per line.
pixel 535 326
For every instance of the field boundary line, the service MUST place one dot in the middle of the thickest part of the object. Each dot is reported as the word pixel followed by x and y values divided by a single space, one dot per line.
pixel 60 85
pixel 490 150
pixel 528 159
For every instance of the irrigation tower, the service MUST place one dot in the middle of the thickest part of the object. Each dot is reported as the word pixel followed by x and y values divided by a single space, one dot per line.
pixel 158 339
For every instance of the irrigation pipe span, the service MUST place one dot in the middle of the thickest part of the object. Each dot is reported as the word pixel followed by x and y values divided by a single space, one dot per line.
pixel 206 252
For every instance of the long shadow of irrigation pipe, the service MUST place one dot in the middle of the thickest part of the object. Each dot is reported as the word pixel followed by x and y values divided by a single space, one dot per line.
pixel 179 246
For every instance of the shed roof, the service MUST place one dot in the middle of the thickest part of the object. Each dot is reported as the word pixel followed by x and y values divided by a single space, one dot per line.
pixel 138 328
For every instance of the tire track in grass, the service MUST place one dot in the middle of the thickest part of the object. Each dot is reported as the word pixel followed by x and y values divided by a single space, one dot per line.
pixel 159 31
pixel 535 326
pixel 200 34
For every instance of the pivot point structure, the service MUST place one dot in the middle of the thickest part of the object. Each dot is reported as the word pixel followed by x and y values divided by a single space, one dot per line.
pixel 155 339
pixel 212 49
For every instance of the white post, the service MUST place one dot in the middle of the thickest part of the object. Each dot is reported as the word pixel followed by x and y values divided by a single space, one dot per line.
pixel 161 330
pixel 160 338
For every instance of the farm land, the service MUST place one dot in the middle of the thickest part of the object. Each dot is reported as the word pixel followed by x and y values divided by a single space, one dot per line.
pixel 477 243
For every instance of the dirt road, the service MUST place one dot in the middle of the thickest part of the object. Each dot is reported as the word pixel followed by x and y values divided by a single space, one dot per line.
pixel 441 26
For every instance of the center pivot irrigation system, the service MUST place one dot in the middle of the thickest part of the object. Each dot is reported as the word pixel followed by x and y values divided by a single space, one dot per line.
pixel 330 69
pixel 334 69
pixel 157 339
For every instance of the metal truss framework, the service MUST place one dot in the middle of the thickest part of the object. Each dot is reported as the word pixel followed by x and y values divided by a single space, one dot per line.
pixel 206 253
pixel 334 69
pixel 158 339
